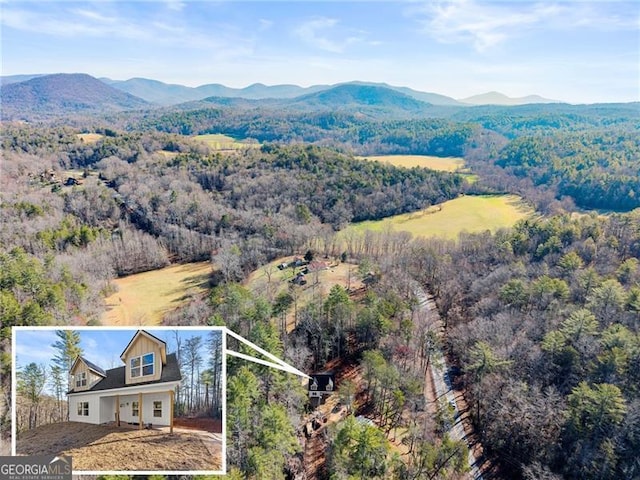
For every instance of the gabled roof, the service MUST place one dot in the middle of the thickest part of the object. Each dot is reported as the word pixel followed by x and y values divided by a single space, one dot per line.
pixel 92 366
pixel 115 377
pixel 163 345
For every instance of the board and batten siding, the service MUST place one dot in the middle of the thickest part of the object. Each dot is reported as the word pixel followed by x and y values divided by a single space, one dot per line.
pixel 92 378
pixel 141 346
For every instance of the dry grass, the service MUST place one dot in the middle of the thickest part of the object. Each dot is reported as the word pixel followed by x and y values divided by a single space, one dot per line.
pixel 144 298
pixel 218 141
pixel 89 137
pixel 443 164
pixel 167 154
pixel 110 448
pixel 468 213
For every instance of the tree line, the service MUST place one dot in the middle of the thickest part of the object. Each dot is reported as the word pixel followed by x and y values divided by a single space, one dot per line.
pixel 543 320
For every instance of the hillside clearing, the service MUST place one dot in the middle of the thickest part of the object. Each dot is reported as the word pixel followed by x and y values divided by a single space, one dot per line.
pixel 270 281
pixel 443 164
pixel 218 141
pixel 111 448
pixel 89 137
pixel 449 219
pixel 143 298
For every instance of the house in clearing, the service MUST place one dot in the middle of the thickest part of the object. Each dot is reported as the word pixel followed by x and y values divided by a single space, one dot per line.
pixel 140 392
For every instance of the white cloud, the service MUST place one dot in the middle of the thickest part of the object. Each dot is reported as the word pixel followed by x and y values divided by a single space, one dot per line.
pixel 175 5
pixel 488 24
pixel 76 22
pixel 264 24
pixel 482 25
pixel 35 346
pixel 320 33
pixel 95 16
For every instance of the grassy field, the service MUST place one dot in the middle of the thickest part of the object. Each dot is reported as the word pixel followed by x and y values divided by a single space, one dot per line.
pixel 167 154
pixel 218 141
pixel 143 299
pixel 443 164
pixel 467 213
pixel 269 281
pixel 89 137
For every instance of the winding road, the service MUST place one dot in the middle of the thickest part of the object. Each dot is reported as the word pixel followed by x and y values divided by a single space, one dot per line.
pixel 442 383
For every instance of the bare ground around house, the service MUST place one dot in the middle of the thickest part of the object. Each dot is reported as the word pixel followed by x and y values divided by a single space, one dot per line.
pixel 199 423
pixel 111 448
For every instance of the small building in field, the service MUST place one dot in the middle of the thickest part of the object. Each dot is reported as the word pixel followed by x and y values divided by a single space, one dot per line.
pixel 140 392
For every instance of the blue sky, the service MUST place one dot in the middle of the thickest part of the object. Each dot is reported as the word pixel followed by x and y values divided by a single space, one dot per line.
pixel 101 346
pixel 581 52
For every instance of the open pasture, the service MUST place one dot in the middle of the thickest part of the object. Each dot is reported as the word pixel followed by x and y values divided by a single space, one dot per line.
pixel 443 164
pixel 218 141
pixel 464 214
pixel 143 298
pixel 89 138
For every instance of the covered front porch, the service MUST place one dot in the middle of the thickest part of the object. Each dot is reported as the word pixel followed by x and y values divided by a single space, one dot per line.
pixel 155 408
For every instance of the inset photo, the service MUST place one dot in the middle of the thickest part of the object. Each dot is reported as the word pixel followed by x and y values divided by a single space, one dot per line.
pixel 121 400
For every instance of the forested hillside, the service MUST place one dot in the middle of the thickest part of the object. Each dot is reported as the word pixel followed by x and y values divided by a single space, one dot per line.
pixel 543 321
pixel 540 321
pixel 598 168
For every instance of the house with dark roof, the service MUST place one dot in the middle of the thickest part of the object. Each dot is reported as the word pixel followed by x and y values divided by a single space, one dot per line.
pixel 140 392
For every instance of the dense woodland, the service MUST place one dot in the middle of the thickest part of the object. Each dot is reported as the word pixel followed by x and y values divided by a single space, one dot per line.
pixel 541 321
pixel 544 322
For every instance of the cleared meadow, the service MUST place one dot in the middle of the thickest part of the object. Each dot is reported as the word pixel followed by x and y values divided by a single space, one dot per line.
pixel 89 137
pixel 443 164
pixel 143 298
pixel 447 220
pixel 218 141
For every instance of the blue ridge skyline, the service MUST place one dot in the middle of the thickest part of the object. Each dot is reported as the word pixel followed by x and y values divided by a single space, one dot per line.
pixel 579 52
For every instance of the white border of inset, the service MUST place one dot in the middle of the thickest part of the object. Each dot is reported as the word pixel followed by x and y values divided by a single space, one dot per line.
pixel 150 328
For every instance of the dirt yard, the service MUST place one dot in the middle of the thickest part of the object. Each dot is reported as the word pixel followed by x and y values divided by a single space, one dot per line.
pixel 111 448
pixel 199 423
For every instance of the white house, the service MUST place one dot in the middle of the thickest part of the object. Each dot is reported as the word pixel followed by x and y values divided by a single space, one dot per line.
pixel 140 392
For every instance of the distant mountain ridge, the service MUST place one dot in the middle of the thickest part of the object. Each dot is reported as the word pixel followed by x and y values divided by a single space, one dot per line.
pixel 160 93
pixel 497 98
pixel 171 94
pixel 346 95
pixel 46 96
pixel 8 79
pixel 51 95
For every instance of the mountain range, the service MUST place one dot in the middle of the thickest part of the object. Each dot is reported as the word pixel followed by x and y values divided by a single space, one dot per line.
pixel 160 93
pixel 497 98
pixel 50 95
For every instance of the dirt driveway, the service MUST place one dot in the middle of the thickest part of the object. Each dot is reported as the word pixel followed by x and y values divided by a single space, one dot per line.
pixel 111 448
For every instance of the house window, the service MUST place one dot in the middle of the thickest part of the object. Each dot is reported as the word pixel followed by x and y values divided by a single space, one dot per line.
pixel 83 409
pixel 142 365
pixel 157 409
pixel 135 411
pixel 81 379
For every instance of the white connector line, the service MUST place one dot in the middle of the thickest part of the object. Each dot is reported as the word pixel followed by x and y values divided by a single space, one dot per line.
pixel 278 364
